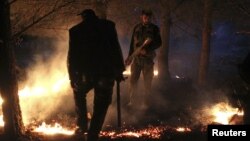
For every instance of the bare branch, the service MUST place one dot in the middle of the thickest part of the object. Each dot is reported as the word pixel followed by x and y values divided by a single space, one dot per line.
pixel 56 4
pixel 41 18
pixel 240 7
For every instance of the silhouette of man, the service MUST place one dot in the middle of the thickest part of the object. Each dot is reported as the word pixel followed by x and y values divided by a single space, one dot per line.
pixel 95 61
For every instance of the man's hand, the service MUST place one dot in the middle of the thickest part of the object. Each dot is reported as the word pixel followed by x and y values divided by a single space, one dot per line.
pixel 75 80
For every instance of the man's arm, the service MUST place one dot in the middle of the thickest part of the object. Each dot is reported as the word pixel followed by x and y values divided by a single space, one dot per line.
pixel 72 59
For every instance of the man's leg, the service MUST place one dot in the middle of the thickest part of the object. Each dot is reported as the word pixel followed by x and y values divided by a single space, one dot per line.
pixel 81 107
pixel 135 75
pixel 148 74
pixel 103 98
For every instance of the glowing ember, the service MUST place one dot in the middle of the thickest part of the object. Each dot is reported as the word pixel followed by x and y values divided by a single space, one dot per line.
pixel 223 113
pixel 52 130
pixel 151 132
pixel 183 129
pixel 130 134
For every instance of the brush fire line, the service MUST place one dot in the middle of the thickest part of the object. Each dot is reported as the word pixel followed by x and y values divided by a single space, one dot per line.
pixel 221 113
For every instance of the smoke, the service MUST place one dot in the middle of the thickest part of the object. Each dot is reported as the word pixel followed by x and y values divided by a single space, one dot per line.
pixel 46 90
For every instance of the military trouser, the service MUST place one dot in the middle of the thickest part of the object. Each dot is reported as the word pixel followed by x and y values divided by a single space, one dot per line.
pixel 103 89
pixel 146 66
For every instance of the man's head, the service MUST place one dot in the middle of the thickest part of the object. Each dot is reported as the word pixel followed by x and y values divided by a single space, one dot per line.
pixel 146 16
pixel 87 14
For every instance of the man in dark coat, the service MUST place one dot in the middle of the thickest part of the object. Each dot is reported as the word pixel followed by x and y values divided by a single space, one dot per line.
pixel 145 40
pixel 95 61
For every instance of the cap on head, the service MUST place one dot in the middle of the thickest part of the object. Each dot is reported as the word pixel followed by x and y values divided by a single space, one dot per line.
pixel 146 12
pixel 88 13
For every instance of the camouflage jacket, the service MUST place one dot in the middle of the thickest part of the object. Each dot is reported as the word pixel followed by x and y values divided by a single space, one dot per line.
pixel 141 33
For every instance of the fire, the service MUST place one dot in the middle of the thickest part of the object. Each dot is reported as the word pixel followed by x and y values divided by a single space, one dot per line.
pixel 32 97
pixel 183 129
pixel 56 86
pixel 49 82
pixel 1 121
pixel 223 113
pixel 43 91
pixel 53 129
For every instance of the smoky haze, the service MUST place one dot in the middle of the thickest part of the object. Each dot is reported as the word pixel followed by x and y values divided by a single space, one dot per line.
pixel 45 92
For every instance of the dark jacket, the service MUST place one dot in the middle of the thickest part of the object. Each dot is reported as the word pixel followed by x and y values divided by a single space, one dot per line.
pixel 140 33
pixel 94 49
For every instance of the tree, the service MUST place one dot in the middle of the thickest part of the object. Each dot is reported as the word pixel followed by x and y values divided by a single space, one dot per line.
pixel 206 35
pixel 8 79
pixel 12 114
pixel 165 33
pixel 166 23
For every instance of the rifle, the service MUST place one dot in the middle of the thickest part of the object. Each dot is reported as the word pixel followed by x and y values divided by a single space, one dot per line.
pixel 138 50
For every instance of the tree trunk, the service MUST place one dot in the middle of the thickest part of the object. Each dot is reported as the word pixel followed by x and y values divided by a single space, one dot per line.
pixel 205 50
pixel 163 66
pixel 13 125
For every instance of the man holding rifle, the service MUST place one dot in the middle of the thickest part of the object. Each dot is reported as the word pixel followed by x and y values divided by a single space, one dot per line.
pixel 145 40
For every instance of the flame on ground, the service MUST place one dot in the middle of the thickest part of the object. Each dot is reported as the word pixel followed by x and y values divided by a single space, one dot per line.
pixel 223 113
pixel 48 129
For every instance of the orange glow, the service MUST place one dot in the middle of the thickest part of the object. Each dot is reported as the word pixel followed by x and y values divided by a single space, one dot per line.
pixel 150 132
pixel 127 72
pixel 1 101
pixel 1 121
pixel 52 130
pixel 222 113
pixel 183 129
